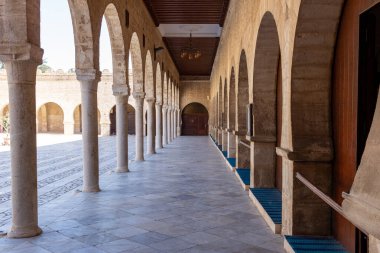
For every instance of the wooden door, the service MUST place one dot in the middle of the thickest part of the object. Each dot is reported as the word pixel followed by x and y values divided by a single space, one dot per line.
pixel 194 124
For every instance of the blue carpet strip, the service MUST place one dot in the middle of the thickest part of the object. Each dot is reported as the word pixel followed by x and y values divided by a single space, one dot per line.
pixel 224 153
pixel 271 200
pixel 232 161
pixel 244 175
pixel 308 244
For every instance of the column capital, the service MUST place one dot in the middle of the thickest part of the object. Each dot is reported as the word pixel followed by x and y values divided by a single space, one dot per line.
pixel 21 52
pixel 150 100
pixel 158 103
pixel 88 74
pixel 165 107
pixel 139 95
pixel 120 90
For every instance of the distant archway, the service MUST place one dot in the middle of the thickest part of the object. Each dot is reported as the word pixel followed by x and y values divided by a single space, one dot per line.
pixel 195 120
pixel 50 118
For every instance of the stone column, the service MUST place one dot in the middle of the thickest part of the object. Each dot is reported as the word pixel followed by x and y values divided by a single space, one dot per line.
pixel 178 122
pixel 224 140
pixel 231 151
pixel 263 161
pixel 89 80
pixel 121 92
pixel 169 125
pixel 165 125
pixel 158 125
pixel 139 98
pixel 22 104
pixel 175 123
pixel 151 126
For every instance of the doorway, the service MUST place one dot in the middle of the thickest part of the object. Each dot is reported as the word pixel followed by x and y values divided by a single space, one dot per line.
pixel 195 120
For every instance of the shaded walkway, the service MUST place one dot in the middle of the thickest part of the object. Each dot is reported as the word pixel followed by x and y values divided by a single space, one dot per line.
pixel 181 200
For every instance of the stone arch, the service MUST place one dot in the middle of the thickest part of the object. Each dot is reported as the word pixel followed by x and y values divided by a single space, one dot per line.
pixel 159 97
pixel 137 64
pixel 311 76
pixel 50 118
pixel 265 104
pixel 83 36
pixel 119 55
pixel 195 119
pixel 231 149
pixel 77 117
pixel 149 81
pixel 242 152
pixel 220 103
pixel 232 102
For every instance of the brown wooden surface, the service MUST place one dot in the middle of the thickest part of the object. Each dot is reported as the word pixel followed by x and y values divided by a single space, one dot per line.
pixel 345 104
pixel 198 67
pixel 187 11
pixel 194 124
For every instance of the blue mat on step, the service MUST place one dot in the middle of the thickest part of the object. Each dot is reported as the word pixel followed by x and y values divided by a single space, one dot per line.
pixel 232 161
pixel 245 175
pixel 224 153
pixel 271 200
pixel 309 244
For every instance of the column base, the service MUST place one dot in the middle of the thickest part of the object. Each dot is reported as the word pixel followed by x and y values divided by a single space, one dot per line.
pixel 123 169
pixel 24 232
pixel 151 153
pixel 91 188
pixel 139 160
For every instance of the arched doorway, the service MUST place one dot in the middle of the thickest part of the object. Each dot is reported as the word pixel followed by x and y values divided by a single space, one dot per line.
pixel 267 107
pixel 131 120
pixel 195 120
pixel 243 156
pixel 113 121
pixel 50 118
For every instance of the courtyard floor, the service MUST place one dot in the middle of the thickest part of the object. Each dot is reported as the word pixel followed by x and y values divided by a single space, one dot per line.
pixel 184 199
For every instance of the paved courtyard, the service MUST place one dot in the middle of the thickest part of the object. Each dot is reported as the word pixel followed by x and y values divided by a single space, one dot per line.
pixel 183 199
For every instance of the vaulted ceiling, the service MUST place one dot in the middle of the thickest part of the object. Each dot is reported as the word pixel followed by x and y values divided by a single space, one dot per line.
pixel 177 18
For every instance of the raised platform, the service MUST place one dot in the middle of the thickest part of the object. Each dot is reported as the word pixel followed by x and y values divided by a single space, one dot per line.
pixel 308 244
pixel 244 176
pixel 269 203
pixel 231 162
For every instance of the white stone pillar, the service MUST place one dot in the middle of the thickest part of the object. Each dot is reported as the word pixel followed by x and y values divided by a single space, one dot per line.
pixel 231 151
pixel 89 80
pixel 158 125
pixel 151 126
pixel 179 122
pixel 175 123
pixel 165 125
pixel 121 92
pixel 22 104
pixel 139 98
pixel 169 126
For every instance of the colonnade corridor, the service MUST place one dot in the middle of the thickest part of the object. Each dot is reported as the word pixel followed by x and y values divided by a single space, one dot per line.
pixel 184 199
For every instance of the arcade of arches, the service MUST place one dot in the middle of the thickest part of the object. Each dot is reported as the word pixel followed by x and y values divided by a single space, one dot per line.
pixel 290 97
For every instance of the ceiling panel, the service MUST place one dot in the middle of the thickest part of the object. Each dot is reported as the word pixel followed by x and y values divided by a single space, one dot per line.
pixel 180 12
pixel 196 67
